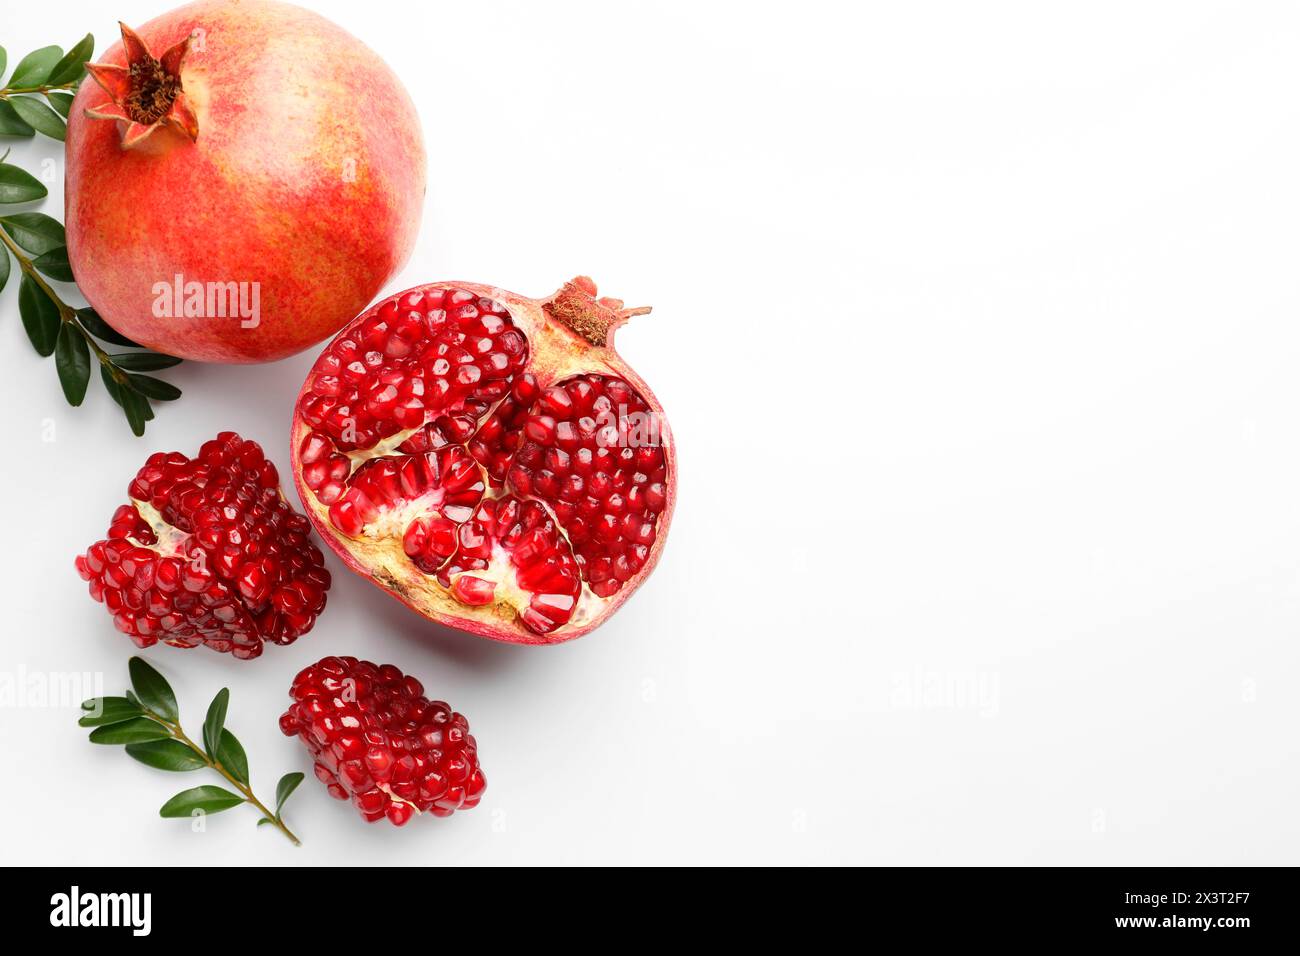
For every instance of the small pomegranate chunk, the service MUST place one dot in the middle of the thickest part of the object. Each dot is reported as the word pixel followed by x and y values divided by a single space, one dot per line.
pixel 379 742
pixel 208 553
pixel 488 458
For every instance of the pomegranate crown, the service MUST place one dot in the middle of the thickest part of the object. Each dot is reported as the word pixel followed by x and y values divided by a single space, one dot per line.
pixel 146 94
pixel 576 307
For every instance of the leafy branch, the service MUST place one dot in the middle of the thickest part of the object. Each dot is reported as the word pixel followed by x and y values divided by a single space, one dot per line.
pixel 147 722
pixel 38 96
pixel 37 243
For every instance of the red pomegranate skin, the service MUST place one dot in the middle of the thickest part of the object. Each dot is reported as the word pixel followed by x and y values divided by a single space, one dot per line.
pixel 307 177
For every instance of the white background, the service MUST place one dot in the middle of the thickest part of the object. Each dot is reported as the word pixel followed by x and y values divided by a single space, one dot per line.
pixel 976 325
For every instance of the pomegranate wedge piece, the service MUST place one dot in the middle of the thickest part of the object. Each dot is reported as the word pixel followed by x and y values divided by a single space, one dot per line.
pixel 208 552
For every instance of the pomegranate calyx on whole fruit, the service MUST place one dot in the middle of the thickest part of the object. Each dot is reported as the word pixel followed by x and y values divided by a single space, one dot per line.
pixel 147 94
pixel 488 458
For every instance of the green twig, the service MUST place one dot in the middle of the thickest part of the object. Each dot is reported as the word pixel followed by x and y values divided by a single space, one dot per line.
pixel 247 791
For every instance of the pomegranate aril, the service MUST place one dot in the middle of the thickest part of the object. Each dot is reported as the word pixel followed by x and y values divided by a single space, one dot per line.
pixel 525 388
pixel 541 429
pixel 429 542
pixel 473 590
pixel 655 498
pixel 556 401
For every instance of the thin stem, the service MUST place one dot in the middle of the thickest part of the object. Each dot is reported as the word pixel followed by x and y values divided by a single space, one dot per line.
pixel 66 312
pixel 44 88
pixel 247 791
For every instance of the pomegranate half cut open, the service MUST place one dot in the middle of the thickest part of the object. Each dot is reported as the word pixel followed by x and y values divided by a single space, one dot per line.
pixel 488 458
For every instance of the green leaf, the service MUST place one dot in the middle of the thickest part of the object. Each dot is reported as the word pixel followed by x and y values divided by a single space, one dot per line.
pixel 18 185
pixel 166 755
pixel 72 360
pixel 153 690
pixel 40 316
pixel 34 69
pixel 231 756
pixel 4 58
pixel 136 730
pixel 11 124
pixel 107 710
pixel 137 410
pixel 4 267
pixel 62 102
pixel 92 323
pixel 35 231
pixel 215 721
pixel 39 116
pixel 287 785
pixel 73 63
pixel 114 390
pixel 154 388
pixel 55 264
pixel 125 396
pixel 208 799
pixel 143 361
pixel 220 743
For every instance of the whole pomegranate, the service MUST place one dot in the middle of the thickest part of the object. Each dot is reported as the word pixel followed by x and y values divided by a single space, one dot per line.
pixel 488 458
pixel 242 178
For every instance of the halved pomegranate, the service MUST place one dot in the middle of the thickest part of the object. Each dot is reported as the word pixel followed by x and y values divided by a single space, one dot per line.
pixel 488 458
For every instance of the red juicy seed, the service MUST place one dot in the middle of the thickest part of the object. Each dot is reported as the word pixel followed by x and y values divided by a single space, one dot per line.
pixel 556 401
pixel 237 567
pixel 380 743
pixel 429 542
pixel 540 429
pixel 473 591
